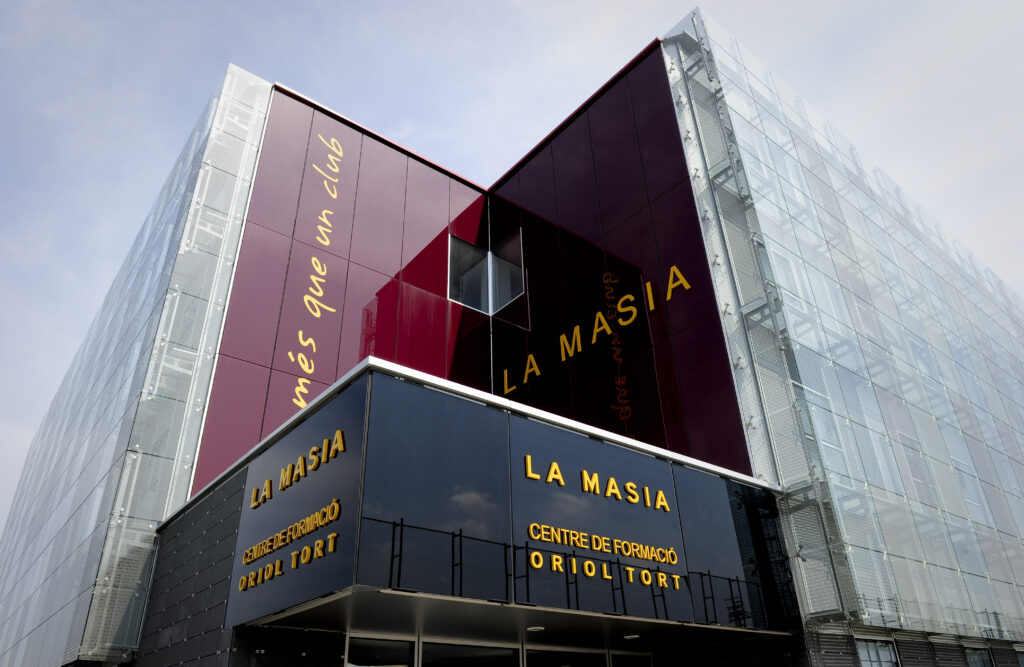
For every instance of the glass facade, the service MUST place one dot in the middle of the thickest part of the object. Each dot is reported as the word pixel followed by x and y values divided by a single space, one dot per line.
pixel 127 415
pixel 879 365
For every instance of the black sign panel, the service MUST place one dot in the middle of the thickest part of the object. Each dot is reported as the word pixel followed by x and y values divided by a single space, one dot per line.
pixel 596 526
pixel 296 535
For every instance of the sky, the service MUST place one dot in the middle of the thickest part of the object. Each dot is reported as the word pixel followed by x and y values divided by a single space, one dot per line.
pixel 99 97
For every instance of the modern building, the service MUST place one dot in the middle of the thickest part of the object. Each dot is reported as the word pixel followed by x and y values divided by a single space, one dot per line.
pixel 687 384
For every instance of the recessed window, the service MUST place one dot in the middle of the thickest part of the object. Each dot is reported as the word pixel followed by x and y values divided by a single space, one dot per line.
pixel 876 654
pixel 482 279
pixel 978 657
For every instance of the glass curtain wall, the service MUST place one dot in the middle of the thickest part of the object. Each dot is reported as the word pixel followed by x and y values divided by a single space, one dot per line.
pixel 888 361
pixel 128 412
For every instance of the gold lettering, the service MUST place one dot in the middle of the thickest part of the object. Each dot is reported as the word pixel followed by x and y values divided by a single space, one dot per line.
pixel 300 469
pixel 316 307
pixel 329 182
pixel 316 284
pixel 650 297
pixel 675 279
pixel 604 571
pixel 631 495
pixel 301 389
pixel 529 468
pixel 334 144
pixel 660 502
pixel 591 483
pixel 314 458
pixel 536 560
pixel 662 579
pixel 554 473
pixel 331 541
pixel 508 388
pixel 286 477
pixel 338 445
pixel 626 309
pixel 600 324
pixel 307 342
pixel 531 366
pixel 575 346
pixel 556 563
pixel 324 229
pixel 612 489
pixel 304 362
pixel 332 179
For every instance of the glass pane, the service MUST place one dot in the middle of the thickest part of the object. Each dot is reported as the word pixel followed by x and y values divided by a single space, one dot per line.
pixel 564 659
pixel 468 275
pixel 450 655
pixel 379 653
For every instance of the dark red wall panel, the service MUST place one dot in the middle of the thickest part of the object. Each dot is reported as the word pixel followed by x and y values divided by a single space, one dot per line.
pixel 250 326
pixel 380 208
pixel 233 421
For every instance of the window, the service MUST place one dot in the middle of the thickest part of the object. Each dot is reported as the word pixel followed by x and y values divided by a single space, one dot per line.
pixel 876 654
pixel 485 280
pixel 978 657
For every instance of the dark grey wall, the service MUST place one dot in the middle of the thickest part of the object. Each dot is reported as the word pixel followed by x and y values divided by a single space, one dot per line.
pixel 185 616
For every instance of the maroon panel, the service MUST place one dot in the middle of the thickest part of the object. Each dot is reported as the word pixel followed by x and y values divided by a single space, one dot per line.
pixel 233 418
pixel 620 185
pixel 677 233
pixel 380 204
pixel 275 191
pixel 429 269
pixel 287 395
pixel 328 194
pixel 575 185
pixel 509 189
pixel 537 186
pixel 713 424
pixel 461 197
pixel 426 210
pixel 671 402
pixel 255 304
pixel 422 325
pixel 661 147
pixel 467 223
pixel 370 308
pixel 633 242
pixel 307 337
pixel 469 347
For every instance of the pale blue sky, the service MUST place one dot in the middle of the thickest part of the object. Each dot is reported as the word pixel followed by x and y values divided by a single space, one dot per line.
pixel 98 98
